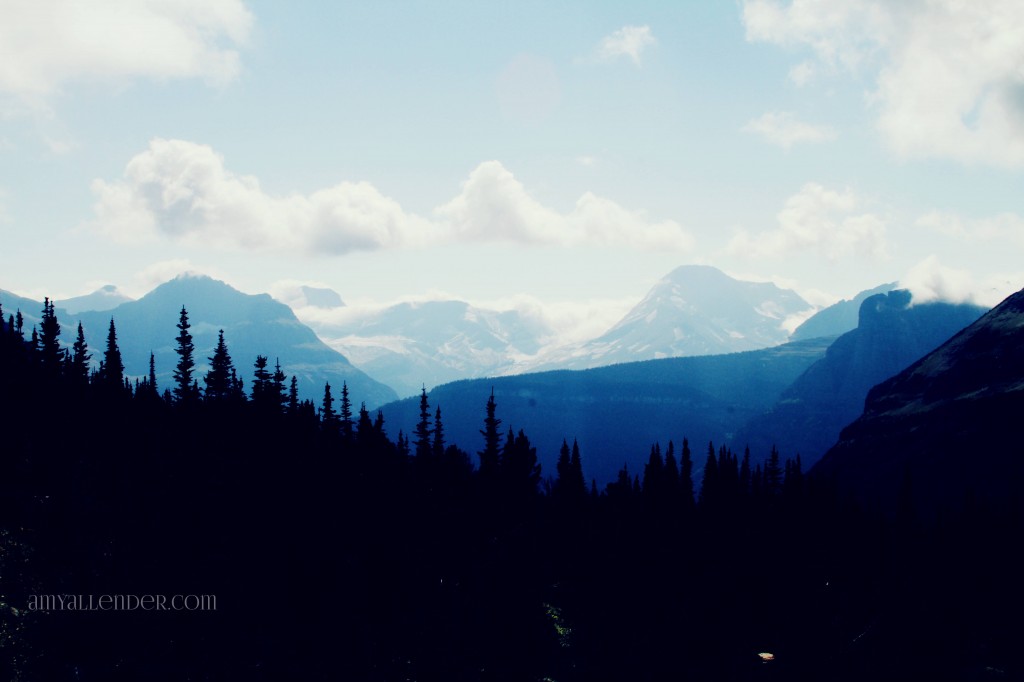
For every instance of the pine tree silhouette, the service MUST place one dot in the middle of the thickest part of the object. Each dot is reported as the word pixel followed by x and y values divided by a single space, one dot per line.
pixel 221 384
pixel 490 455
pixel 185 389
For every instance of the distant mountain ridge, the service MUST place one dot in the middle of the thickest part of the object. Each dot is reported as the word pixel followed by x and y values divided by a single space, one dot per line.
pixel 410 345
pixel 694 310
pixel 839 317
pixel 891 334
pixel 944 431
pixel 253 325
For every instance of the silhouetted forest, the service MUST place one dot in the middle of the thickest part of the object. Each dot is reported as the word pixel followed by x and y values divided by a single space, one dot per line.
pixel 339 551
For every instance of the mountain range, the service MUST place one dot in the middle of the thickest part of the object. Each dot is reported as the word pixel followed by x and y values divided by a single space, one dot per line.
pixel 253 325
pixel 410 345
pixel 694 310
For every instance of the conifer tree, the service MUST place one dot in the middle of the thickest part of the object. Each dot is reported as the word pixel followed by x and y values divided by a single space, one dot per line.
pixel 345 413
pixel 50 354
pixel 112 367
pixel 671 472
pixel 278 390
pixel 519 468
pixel 262 387
pixel 576 480
pixel 424 447
pixel 490 455
pixel 654 472
pixel 563 469
pixel 219 380
pixel 80 358
pixel 745 473
pixel 438 446
pixel 686 476
pixel 328 417
pixel 185 389
pixel 293 397
pixel 773 473
pixel 709 486
pixel 152 374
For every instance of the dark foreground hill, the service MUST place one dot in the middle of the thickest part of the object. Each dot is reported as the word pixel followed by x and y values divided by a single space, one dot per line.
pixel 617 412
pixel 891 334
pixel 944 432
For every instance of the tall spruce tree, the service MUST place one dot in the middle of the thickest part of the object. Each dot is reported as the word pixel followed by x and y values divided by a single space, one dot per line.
pixel 112 367
pixel 328 417
pixel 345 425
pixel 424 446
pixel 185 389
pixel 262 386
pixel 50 354
pixel 490 455
pixel 80 358
pixel 438 446
pixel 220 380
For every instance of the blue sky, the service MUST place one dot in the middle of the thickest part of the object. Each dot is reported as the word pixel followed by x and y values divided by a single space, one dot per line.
pixel 558 155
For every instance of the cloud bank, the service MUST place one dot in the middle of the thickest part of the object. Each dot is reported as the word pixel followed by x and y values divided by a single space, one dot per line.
pixel 183 191
pixel 821 220
pixel 49 43
pixel 948 76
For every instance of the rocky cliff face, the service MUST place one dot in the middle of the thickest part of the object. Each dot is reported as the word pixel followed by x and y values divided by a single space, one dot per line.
pixel 943 432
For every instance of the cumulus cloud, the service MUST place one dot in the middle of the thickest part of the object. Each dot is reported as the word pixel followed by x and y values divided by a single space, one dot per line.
pixel 628 41
pixel 949 76
pixel 49 43
pixel 818 219
pixel 930 280
pixel 784 129
pixel 494 205
pixel 183 191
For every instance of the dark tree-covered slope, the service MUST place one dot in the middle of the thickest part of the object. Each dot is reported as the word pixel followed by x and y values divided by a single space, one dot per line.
pixel 891 334
pixel 617 412
pixel 945 430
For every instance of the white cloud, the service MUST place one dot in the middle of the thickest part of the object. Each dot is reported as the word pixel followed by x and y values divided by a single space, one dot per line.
pixel 182 191
pixel 949 76
pixel 49 43
pixel 784 129
pixel 628 41
pixel 930 280
pixel 821 220
pixel 493 205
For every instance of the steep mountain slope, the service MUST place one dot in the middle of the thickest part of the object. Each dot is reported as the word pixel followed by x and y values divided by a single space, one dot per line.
pixel 945 429
pixel 252 324
pixel 617 412
pixel 837 318
pixel 414 344
pixel 891 334
pixel 694 310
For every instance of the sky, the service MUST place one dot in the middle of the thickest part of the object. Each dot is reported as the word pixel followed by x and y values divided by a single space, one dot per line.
pixel 560 156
